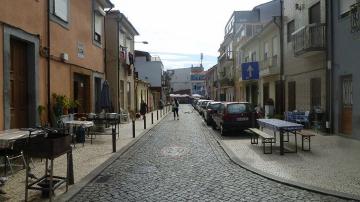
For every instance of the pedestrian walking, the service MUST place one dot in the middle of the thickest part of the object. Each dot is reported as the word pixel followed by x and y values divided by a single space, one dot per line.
pixel 143 108
pixel 175 108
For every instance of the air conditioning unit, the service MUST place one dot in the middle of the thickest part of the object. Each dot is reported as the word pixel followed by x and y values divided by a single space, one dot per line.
pixel 64 57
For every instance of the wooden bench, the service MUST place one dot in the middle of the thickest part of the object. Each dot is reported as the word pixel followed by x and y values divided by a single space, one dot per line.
pixel 266 138
pixel 305 137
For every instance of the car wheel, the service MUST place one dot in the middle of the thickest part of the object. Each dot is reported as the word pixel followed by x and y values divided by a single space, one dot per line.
pixel 213 125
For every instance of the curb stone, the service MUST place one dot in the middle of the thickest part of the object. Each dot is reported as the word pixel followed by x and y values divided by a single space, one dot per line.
pixel 77 187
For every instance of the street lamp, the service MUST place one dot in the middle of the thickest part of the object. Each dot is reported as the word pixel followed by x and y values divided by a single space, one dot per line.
pixel 143 42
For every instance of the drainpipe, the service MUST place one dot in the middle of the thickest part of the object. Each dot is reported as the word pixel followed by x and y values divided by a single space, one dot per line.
pixel 48 64
pixel 282 82
pixel 330 65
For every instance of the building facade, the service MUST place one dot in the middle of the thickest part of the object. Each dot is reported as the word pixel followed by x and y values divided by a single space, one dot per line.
pixel 150 69
pixel 180 79
pixel 344 46
pixel 120 35
pixel 58 52
pixel 198 76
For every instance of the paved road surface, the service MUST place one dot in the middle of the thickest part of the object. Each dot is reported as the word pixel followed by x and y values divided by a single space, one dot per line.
pixel 181 161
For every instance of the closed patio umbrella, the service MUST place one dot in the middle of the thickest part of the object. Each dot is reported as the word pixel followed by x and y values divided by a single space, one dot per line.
pixel 105 101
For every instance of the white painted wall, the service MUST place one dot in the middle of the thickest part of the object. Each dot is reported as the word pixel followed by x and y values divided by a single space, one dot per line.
pixel 180 79
pixel 149 71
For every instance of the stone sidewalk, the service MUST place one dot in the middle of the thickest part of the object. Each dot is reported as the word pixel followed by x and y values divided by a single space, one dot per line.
pixel 86 158
pixel 332 166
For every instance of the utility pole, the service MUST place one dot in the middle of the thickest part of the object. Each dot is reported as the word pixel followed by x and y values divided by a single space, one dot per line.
pixel 282 77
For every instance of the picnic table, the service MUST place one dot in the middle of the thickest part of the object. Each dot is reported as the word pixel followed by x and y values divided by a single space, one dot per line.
pixel 282 127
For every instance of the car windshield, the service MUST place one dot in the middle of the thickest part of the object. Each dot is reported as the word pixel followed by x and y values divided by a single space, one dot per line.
pixel 204 103
pixel 237 108
pixel 214 106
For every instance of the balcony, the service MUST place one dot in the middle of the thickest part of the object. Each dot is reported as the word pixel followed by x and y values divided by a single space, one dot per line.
pixel 269 66
pixel 225 58
pixel 355 18
pixel 225 82
pixel 309 40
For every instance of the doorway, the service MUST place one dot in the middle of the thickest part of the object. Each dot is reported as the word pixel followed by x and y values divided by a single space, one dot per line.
pixel 346 105
pixel 266 92
pixel 19 95
pixel 82 92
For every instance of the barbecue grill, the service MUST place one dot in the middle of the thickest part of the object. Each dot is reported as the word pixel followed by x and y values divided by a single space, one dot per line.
pixel 49 144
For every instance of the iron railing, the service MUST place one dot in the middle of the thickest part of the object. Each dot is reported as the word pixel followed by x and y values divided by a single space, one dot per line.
pixel 355 18
pixel 309 38
pixel 269 66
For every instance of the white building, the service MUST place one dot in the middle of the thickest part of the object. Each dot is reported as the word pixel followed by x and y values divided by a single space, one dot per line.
pixel 150 69
pixel 180 79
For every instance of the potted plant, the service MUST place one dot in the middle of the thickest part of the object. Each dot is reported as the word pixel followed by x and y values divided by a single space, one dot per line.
pixel 73 104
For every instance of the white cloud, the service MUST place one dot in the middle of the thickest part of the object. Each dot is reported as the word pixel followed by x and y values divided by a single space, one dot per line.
pixel 181 26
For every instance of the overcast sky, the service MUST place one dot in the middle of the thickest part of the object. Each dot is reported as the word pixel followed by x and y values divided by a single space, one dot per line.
pixel 179 30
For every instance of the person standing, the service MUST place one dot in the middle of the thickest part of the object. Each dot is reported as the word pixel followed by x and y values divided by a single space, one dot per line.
pixel 143 108
pixel 175 108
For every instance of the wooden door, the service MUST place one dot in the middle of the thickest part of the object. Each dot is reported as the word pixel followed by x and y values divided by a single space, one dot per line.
pixel 266 92
pixel 346 106
pixel 18 84
pixel 82 93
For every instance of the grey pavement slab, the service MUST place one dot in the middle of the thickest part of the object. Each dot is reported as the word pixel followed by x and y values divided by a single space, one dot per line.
pixel 86 159
pixel 332 165
pixel 182 161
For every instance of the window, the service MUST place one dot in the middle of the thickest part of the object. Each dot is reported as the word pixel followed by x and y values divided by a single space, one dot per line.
pixel 314 14
pixel 253 56
pixel 266 50
pixel 61 9
pixel 292 95
pixel 98 26
pixel 344 6
pixel 315 92
pixel 274 46
pixel 237 108
pixel 290 30
pixel 128 89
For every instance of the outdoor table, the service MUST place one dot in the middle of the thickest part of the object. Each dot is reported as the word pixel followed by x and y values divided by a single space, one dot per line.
pixel 76 123
pixel 282 127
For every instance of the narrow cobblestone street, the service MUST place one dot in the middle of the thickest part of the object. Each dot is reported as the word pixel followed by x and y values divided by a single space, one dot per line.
pixel 180 160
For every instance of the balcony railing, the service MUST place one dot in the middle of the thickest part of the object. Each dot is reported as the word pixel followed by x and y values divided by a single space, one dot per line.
pixel 269 66
pixel 308 39
pixel 355 18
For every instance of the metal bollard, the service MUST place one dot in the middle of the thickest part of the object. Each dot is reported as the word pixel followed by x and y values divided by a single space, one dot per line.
pixel 113 134
pixel 157 114
pixel 133 128
pixel 152 118
pixel 144 121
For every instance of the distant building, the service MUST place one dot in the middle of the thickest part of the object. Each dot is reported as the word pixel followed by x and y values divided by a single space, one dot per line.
pixel 120 70
pixel 180 79
pixel 198 76
pixel 150 69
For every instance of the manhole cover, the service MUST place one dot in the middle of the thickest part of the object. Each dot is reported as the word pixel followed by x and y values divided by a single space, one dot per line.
pixel 103 179
pixel 173 151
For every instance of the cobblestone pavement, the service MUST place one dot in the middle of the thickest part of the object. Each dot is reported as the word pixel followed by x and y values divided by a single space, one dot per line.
pixel 181 161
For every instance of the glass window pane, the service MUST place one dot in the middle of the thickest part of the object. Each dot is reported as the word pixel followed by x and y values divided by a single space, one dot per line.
pixel 61 9
pixel 98 24
pixel 237 108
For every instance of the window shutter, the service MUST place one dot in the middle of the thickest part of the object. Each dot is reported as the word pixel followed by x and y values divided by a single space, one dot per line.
pixel 98 24
pixel 61 9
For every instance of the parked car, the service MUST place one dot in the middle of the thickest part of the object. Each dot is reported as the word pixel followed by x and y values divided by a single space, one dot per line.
pixel 198 104
pixel 233 116
pixel 203 106
pixel 210 109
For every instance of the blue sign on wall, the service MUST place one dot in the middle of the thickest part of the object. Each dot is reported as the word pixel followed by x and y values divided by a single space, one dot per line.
pixel 250 71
